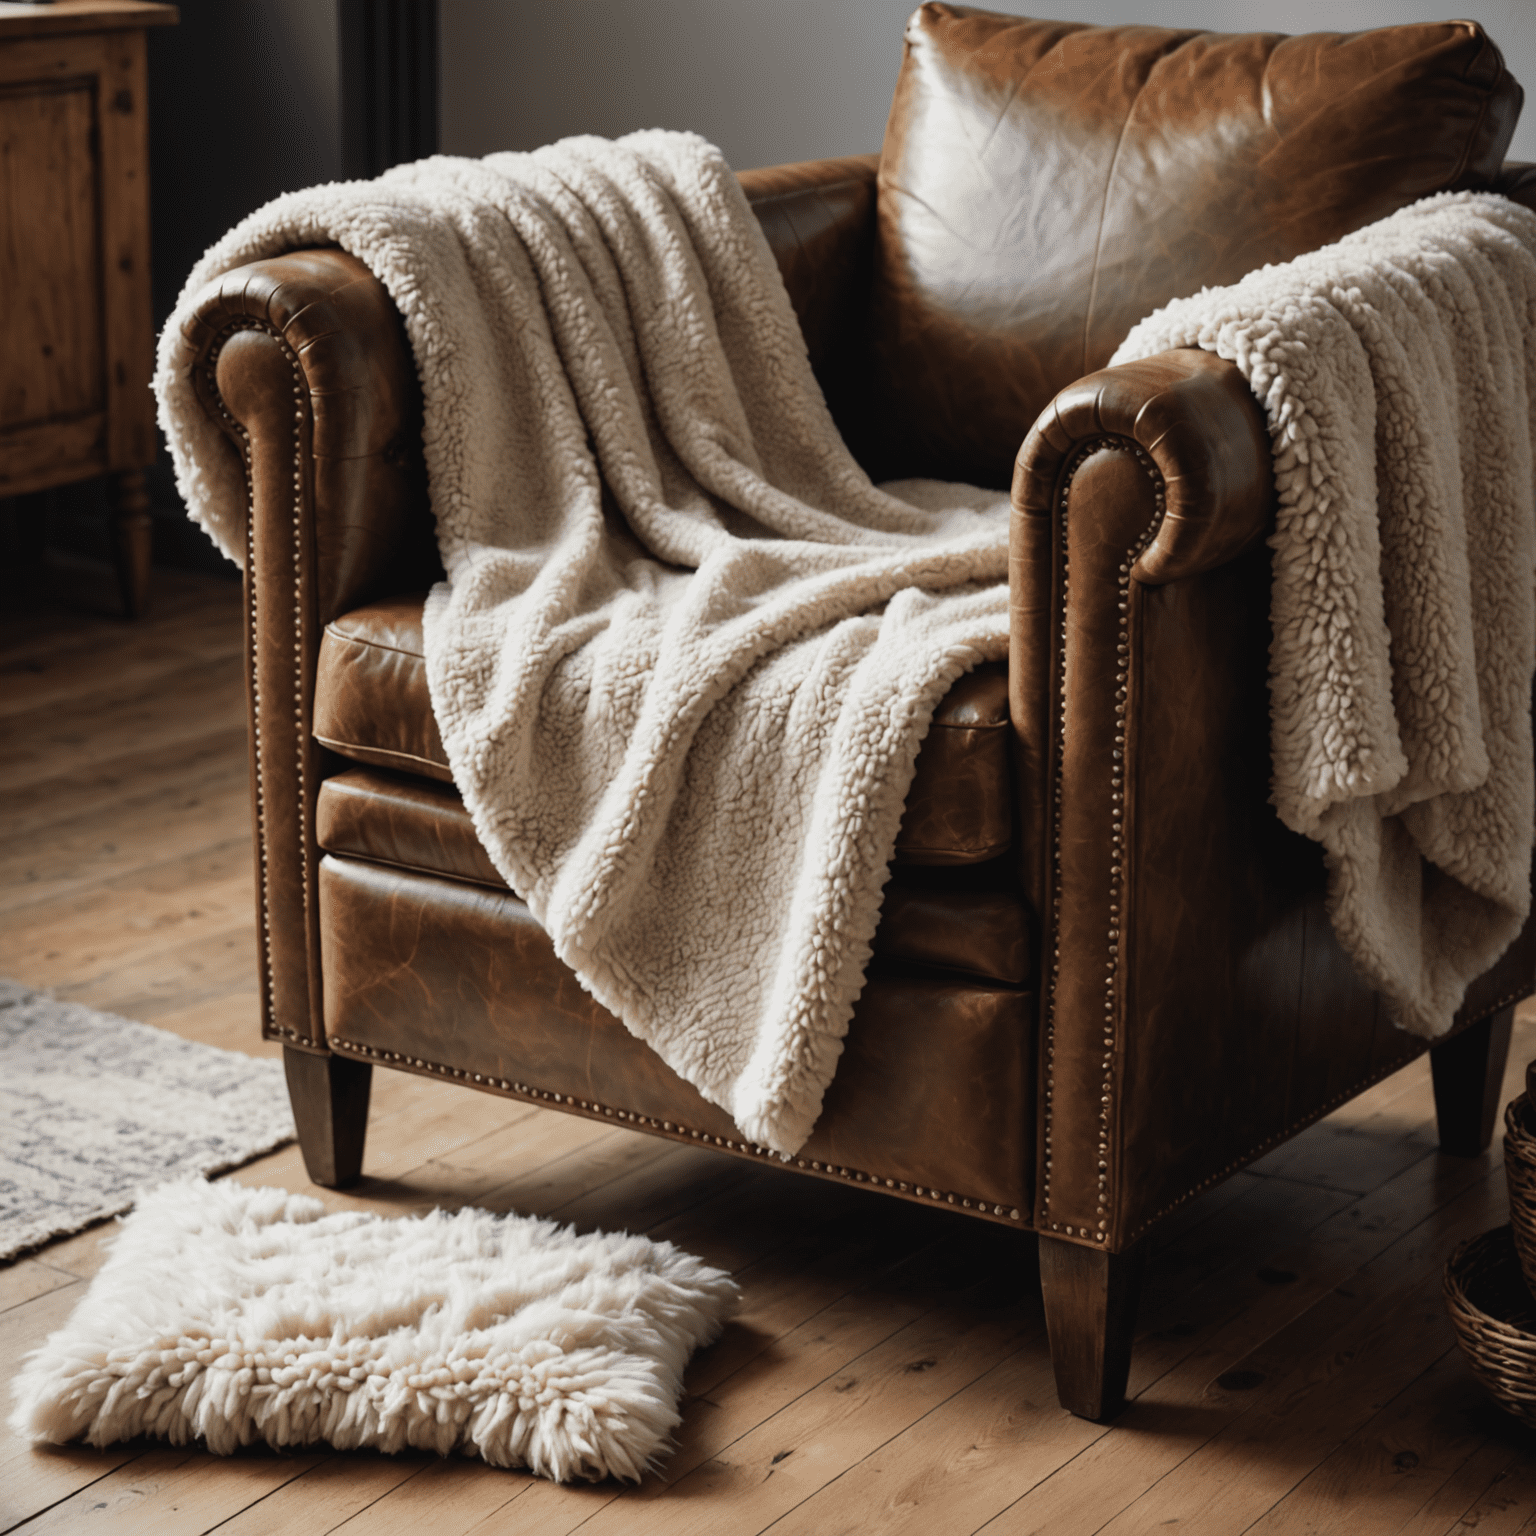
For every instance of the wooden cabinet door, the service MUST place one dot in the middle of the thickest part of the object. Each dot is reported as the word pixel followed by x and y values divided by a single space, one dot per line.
pixel 76 339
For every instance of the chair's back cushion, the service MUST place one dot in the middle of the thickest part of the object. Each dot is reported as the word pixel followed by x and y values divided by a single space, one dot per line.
pixel 1044 185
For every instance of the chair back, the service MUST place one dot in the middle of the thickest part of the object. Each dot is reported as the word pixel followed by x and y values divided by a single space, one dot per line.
pixel 1044 185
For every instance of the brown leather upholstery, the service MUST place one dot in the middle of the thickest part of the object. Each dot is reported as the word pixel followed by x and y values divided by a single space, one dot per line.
pixel 303 362
pixel 372 705
pixel 371 697
pixel 969 925
pixel 930 1100
pixel 1198 1008
pixel 1193 469
pixel 973 925
pixel 316 326
pixel 404 821
pixel 1163 875
pixel 1043 185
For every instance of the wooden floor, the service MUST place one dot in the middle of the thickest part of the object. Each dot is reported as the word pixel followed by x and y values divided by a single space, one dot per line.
pixel 888 1372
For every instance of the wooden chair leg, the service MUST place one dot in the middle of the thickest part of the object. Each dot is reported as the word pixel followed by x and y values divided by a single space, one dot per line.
pixel 1090 1315
pixel 329 1095
pixel 1468 1070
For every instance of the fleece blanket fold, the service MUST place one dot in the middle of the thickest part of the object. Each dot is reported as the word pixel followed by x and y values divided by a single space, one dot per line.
pixel 686 652
pixel 1398 372
pixel 237 1316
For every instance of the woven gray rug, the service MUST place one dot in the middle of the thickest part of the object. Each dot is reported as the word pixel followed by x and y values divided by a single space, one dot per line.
pixel 94 1107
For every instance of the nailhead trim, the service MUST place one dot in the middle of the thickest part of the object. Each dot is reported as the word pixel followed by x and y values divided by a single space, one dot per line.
pixel 264 879
pixel 676 1128
pixel 271 1029
pixel 1118 779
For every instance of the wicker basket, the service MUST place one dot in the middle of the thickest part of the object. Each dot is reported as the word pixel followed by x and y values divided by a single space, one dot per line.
pixel 1495 1320
pixel 1520 1171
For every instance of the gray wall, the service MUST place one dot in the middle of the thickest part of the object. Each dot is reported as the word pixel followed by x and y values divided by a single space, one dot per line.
pixel 777 80
pixel 243 104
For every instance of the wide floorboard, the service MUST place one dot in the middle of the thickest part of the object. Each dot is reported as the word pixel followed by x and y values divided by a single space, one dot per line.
pixel 888 1372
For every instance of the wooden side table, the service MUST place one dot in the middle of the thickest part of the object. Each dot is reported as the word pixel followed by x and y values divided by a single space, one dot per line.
pixel 76 325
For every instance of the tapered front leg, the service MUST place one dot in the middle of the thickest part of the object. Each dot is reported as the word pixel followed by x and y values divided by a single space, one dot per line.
pixel 1468 1070
pixel 1090 1314
pixel 329 1095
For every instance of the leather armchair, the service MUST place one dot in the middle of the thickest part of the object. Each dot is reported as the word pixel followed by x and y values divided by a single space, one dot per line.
pixel 1104 977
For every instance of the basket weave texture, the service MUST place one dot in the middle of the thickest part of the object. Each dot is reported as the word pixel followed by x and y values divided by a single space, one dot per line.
pixel 1520 1171
pixel 1495 1319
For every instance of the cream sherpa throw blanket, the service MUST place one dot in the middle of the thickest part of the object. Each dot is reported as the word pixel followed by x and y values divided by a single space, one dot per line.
pixel 685 721
pixel 1398 372
pixel 234 1315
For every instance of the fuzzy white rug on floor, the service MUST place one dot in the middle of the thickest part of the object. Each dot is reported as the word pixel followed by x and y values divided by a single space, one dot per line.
pixel 234 1315
pixel 94 1107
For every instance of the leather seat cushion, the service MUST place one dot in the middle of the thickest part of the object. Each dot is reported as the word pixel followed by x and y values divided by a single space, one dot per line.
pixel 935 1089
pixel 971 920
pixel 372 705
pixel 1043 185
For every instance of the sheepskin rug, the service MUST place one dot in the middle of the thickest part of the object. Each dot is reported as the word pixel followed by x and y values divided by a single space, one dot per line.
pixel 234 1315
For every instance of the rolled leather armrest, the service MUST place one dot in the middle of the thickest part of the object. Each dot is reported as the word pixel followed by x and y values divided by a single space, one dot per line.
pixel 312 340
pixel 1193 414
pixel 303 361
pixel 1139 583
pixel 1204 492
